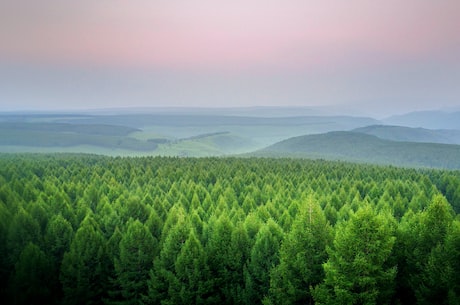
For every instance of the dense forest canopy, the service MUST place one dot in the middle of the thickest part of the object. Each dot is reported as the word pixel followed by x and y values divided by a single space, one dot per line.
pixel 83 229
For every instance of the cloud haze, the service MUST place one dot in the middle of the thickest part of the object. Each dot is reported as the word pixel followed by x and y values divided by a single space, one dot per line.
pixel 77 54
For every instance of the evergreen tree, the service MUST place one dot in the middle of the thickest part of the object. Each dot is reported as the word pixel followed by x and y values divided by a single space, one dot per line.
pixel 222 262
pixel 264 256
pixel 302 253
pixel 30 283
pixel 451 274
pixel 191 274
pixel 219 223
pixel 356 271
pixel 58 237
pixel 5 264
pixel 162 276
pixel 240 251
pixel 84 267
pixel 23 229
pixel 429 253
pixel 137 248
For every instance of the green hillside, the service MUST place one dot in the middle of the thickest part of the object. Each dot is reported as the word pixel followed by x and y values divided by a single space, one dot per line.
pixel 358 147
pixel 206 145
pixel 115 140
pixel 408 134
pixel 60 135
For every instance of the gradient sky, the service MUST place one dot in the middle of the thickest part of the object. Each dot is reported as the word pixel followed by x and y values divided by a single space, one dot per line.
pixel 379 56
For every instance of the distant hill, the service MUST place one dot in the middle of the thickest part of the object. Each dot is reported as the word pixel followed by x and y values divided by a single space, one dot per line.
pixel 359 147
pixel 23 136
pixel 251 111
pixel 191 133
pixel 409 134
pixel 63 135
pixel 205 145
pixel 427 119
pixel 90 129
pixel 180 120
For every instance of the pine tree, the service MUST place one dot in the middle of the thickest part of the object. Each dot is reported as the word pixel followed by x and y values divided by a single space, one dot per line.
pixel 58 237
pixel 5 263
pixel 162 275
pixel 429 252
pixel 191 273
pixel 22 230
pixel 84 267
pixel 31 280
pixel 264 256
pixel 451 274
pixel 302 253
pixel 137 248
pixel 221 261
pixel 356 271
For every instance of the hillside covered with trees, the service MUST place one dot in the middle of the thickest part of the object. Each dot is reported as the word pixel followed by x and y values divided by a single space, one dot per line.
pixel 81 229
pixel 365 148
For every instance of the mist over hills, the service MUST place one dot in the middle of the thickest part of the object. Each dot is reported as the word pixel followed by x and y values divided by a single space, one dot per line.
pixel 173 132
pixel 269 131
pixel 426 119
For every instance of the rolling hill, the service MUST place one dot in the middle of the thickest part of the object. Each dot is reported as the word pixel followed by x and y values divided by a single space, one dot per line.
pixel 201 134
pixel 359 147
pixel 183 133
pixel 62 135
pixel 408 134
pixel 20 136
pixel 196 119
pixel 427 119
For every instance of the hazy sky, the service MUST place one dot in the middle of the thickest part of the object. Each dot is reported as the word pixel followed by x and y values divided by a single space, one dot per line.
pixel 383 56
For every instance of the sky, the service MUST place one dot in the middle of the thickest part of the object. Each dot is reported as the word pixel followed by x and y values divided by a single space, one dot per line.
pixel 376 57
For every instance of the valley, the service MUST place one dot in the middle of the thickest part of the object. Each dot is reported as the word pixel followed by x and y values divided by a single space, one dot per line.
pixel 202 132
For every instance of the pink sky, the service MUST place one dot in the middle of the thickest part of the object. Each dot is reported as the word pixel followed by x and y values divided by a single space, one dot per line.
pixel 228 34
pixel 231 37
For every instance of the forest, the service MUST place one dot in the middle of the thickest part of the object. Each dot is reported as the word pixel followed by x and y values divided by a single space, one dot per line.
pixel 87 229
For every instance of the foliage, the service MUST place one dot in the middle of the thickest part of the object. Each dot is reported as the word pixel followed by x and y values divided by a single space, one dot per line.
pixel 82 229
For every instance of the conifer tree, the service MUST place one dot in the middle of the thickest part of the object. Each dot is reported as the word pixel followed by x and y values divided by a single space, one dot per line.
pixel 5 264
pixel 221 261
pixel 58 237
pixel 85 266
pixel 263 257
pixel 240 252
pixel 30 283
pixel 302 253
pixel 191 274
pixel 162 275
pixel 22 230
pixel 137 248
pixel 357 271
pixel 451 274
pixel 428 255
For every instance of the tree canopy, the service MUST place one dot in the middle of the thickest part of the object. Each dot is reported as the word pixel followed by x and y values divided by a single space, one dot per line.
pixel 84 229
